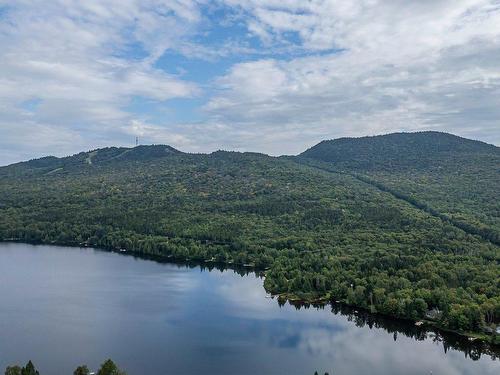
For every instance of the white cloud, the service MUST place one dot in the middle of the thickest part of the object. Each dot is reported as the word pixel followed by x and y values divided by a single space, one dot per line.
pixel 77 59
pixel 157 133
pixel 402 66
pixel 322 69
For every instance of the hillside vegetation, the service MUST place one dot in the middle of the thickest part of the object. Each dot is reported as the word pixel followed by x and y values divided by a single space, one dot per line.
pixel 454 177
pixel 321 226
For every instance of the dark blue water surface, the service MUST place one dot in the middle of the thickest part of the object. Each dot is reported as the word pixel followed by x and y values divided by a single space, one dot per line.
pixel 62 307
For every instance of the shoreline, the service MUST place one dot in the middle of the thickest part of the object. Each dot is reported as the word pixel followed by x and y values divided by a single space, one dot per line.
pixel 328 301
pixel 293 299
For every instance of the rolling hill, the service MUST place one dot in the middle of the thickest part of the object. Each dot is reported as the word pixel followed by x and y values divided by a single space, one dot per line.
pixel 452 177
pixel 396 151
pixel 332 223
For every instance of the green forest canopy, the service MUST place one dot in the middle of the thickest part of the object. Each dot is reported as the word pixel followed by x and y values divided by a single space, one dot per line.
pixel 403 224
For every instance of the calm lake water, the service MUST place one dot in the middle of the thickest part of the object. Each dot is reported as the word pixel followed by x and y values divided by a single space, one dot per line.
pixel 62 307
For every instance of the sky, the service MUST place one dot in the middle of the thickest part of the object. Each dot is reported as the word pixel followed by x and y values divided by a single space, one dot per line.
pixel 272 76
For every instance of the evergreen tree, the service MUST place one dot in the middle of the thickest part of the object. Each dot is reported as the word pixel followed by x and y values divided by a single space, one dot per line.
pixel 29 369
pixel 81 370
pixel 109 368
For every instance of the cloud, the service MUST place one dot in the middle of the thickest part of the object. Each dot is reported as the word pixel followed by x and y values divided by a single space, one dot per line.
pixel 384 66
pixel 83 62
pixel 276 75
pixel 158 133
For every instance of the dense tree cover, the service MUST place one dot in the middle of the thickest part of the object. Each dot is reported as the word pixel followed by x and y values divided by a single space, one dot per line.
pixel 398 151
pixel 317 234
pixel 455 177
pixel 107 368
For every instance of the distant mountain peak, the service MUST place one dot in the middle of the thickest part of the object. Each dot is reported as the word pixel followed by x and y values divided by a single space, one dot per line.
pixel 386 151
pixel 100 156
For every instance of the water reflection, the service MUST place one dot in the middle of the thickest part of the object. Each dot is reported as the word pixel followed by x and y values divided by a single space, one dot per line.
pixel 252 299
pixel 378 346
pixel 62 307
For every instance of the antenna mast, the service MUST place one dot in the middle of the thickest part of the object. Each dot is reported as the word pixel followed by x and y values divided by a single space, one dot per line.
pixel 136 141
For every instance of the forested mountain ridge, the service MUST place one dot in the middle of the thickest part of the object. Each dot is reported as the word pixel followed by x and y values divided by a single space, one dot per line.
pixel 318 232
pixel 456 178
pixel 396 151
pixel 98 157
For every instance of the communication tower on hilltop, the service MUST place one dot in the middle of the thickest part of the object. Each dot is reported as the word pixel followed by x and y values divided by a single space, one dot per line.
pixel 137 141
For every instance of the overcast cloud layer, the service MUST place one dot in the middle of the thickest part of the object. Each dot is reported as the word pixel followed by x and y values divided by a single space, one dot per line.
pixel 260 75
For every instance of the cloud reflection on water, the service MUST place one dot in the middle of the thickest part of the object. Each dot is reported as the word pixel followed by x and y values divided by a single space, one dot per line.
pixel 334 342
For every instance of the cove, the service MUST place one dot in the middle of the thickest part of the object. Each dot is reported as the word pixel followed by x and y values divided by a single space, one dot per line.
pixel 62 307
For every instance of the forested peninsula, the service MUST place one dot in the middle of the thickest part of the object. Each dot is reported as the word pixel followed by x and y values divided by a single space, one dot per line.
pixel 406 224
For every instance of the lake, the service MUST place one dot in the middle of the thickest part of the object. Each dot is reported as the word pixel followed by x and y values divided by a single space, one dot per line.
pixel 62 307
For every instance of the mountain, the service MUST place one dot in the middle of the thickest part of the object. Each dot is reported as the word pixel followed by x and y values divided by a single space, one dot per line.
pixel 397 151
pixel 319 232
pixel 99 157
pixel 452 177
